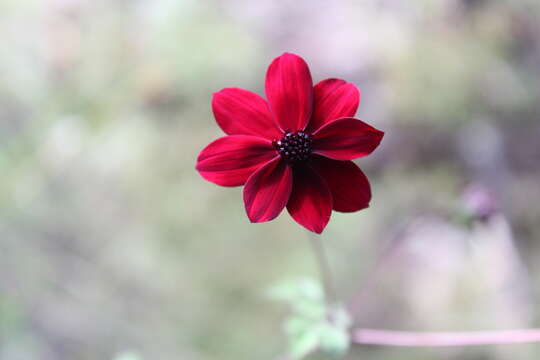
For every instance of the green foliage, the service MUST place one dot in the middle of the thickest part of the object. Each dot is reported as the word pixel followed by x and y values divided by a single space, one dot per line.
pixel 313 325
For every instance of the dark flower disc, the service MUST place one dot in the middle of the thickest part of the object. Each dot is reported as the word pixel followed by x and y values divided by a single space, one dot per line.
pixel 294 146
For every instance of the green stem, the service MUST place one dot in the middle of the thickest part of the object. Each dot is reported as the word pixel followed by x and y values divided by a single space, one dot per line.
pixel 324 269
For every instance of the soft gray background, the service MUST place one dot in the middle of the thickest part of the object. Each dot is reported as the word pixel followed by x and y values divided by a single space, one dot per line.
pixel 111 242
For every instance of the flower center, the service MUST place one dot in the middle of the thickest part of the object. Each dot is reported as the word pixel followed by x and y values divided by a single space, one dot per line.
pixel 294 146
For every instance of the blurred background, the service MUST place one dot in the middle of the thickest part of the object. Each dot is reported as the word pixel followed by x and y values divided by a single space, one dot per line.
pixel 113 247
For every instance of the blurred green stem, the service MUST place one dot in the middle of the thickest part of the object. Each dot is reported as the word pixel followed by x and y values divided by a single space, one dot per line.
pixel 324 269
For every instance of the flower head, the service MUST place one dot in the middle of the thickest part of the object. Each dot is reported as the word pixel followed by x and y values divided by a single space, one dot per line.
pixel 295 149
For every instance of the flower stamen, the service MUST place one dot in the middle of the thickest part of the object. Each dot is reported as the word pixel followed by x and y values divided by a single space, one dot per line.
pixel 294 146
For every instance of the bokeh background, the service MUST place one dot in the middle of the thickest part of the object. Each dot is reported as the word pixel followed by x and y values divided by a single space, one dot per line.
pixel 113 247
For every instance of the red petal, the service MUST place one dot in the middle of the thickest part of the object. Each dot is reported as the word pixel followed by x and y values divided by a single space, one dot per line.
pixel 310 204
pixel 267 191
pixel 242 112
pixel 289 91
pixel 349 186
pixel 230 160
pixel 346 139
pixel 333 99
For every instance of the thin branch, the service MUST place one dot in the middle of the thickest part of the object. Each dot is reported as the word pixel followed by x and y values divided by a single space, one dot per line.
pixel 427 339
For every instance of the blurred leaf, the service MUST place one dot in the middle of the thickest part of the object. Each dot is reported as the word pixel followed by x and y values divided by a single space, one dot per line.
pixel 304 288
pixel 305 343
pixel 128 355
pixel 334 341
pixel 312 325
pixel 295 326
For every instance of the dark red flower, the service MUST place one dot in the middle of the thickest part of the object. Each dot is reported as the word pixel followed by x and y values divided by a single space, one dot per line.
pixel 295 149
